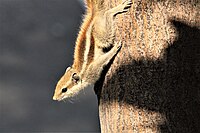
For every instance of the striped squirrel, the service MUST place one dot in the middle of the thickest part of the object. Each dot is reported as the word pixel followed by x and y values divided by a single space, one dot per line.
pixel 97 33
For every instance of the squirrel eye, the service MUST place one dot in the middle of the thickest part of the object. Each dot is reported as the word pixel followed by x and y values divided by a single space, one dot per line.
pixel 64 90
pixel 75 77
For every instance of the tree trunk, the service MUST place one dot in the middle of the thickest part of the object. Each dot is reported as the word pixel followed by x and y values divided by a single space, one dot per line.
pixel 153 83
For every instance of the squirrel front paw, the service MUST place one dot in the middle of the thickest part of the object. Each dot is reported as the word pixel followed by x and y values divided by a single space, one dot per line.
pixel 118 46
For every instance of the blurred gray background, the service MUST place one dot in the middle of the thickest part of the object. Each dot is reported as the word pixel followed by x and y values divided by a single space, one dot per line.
pixel 36 45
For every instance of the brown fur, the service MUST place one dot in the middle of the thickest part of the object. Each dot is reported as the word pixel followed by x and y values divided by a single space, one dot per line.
pixel 96 33
pixel 80 42
pixel 63 82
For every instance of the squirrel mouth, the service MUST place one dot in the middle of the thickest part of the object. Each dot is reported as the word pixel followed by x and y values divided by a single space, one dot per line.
pixel 58 99
pixel 62 98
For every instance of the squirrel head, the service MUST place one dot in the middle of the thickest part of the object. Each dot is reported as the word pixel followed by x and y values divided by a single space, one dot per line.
pixel 67 81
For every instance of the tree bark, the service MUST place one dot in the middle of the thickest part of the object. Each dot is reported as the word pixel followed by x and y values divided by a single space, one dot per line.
pixel 153 84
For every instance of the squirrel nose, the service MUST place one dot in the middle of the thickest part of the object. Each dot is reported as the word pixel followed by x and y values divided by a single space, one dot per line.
pixel 54 98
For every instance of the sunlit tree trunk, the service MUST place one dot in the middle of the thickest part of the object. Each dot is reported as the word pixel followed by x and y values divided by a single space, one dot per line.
pixel 153 84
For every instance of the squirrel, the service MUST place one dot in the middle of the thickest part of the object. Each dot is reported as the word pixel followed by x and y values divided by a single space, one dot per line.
pixel 96 35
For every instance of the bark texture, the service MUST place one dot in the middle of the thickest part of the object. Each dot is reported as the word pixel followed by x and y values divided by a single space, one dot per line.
pixel 153 84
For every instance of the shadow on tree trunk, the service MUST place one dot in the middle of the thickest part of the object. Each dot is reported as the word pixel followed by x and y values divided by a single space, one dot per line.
pixel 169 86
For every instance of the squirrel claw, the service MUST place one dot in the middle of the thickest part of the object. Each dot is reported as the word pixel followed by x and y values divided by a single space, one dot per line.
pixel 125 5
pixel 119 45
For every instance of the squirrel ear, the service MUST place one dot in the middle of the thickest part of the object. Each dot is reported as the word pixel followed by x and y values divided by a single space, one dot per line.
pixel 75 77
pixel 68 69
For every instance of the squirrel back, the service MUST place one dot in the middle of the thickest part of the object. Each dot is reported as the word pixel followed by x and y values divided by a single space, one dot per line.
pixel 95 5
pixel 96 33
pixel 92 6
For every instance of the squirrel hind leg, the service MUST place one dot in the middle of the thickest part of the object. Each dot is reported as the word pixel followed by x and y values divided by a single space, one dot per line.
pixel 104 27
pixel 109 16
pixel 121 8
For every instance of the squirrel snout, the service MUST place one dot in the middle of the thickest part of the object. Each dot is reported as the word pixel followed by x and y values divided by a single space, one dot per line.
pixel 54 98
